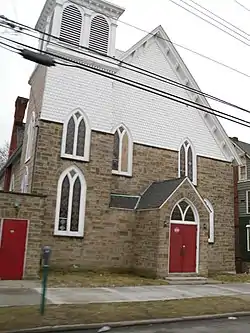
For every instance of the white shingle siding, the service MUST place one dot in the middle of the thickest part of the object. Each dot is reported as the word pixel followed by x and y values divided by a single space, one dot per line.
pixel 152 120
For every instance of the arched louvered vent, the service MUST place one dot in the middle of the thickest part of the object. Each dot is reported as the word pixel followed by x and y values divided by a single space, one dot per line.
pixel 71 25
pixel 99 34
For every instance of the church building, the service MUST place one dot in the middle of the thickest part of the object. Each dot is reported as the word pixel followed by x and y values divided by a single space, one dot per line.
pixel 105 171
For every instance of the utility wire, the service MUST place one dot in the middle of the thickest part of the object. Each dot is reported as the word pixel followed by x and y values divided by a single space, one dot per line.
pixel 203 19
pixel 213 19
pixel 140 86
pixel 141 71
pixel 159 37
pixel 9 47
pixel 240 4
pixel 221 18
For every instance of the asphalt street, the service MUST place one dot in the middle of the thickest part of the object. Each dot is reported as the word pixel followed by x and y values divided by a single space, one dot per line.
pixel 240 325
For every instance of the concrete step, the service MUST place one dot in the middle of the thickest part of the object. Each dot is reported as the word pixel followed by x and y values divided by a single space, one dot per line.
pixel 186 280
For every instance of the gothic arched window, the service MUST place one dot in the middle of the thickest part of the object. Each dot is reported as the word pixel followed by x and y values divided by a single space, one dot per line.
pixel 122 152
pixel 76 137
pixel 70 206
pixel 187 162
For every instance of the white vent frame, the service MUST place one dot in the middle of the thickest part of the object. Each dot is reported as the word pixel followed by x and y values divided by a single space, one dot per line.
pixel 94 44
pixel 68 37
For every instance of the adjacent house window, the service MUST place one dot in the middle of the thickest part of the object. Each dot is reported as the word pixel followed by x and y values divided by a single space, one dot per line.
pixel 122 152
pixel 70 206
pixel 30 137
pixel 99 35
pixel 211 221
pixel 248 237
pixel 12 183
pixel 248 202
pixel 71 25
pixel 76 137
pixel 187 162
pixel 25 181
pixel 243 170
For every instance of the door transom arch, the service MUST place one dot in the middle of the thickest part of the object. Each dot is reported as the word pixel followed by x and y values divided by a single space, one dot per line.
pixel 184 238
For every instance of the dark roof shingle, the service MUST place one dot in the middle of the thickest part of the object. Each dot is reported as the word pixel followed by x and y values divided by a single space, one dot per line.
pixel 158 193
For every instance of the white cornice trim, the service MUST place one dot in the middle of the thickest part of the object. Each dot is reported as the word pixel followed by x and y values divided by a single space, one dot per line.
pixel 101 6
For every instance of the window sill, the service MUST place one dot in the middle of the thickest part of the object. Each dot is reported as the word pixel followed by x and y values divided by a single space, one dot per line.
pixel 75 158
pixel 122 174
pixel 68 234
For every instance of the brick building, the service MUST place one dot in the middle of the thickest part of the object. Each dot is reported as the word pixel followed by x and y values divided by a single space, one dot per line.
pixel 113 176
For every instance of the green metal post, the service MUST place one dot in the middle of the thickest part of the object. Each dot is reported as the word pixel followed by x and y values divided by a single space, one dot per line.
pixel 44 288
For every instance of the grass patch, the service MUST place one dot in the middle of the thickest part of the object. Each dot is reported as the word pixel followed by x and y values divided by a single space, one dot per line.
pixel 12 318
pixel 231 278
pixel 99 279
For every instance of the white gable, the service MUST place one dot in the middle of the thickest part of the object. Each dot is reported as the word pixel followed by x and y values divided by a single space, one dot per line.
pixel 152 120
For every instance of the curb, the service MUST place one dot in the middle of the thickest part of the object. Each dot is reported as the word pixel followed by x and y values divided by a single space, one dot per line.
pixel 71 328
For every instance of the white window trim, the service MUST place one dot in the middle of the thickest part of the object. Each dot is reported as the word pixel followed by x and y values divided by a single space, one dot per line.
pixel 247 198
pixel 87 142
pixel 239 173
pixel 12 183
pixel 248 237
pixel 194 160
pixel 130 152
pixel 30 137
pixel 69 233
pixel 211 221
pixel 25 181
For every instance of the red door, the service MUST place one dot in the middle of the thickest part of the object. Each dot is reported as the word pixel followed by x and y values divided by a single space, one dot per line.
pixel 12 248
pixel 182 255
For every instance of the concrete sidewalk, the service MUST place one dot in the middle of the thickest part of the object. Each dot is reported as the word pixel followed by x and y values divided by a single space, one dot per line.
pixel 29 293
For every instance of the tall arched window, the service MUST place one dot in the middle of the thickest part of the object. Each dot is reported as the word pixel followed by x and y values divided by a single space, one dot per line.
pixel 99 35
pixel 30 137
pixel 211 221
pixel 71 25
pixel 25 181
pixel 122 152
pixel 70 206
pixel 12 183
pixel 76 137
pixel 187 162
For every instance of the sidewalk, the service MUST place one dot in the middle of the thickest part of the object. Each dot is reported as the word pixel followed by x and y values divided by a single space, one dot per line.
pixel 28 293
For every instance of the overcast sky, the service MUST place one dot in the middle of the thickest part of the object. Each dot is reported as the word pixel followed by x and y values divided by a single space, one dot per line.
pixel 182 27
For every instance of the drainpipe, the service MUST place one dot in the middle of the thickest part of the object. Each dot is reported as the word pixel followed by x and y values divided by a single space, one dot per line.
pixel 238 259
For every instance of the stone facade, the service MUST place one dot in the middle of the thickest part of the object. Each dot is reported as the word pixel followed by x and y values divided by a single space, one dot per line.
pixel 31 208
pixel 127 239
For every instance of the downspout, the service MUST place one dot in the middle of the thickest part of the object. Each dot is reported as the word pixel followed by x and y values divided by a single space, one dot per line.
pixel 238 259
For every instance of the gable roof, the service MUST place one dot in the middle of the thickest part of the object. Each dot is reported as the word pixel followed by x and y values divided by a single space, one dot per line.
pixel 186 78
pixel 244 146
pixel 157 193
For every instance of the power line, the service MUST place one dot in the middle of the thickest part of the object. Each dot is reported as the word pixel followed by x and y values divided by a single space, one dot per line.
pixel 221 18
pixel 209 22
pixel 160 37
pixel 9 47
pixel 141 71
pixel 215 20
pixel 242 5
pixel 146 88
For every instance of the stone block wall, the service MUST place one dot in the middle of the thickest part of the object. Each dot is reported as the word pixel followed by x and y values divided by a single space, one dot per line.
pixel 145 242
pixel 215 182
pixel 102 238
pixel 31 208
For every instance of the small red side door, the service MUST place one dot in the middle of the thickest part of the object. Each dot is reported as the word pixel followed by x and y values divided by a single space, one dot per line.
pixel 12 248
pixel 182 256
